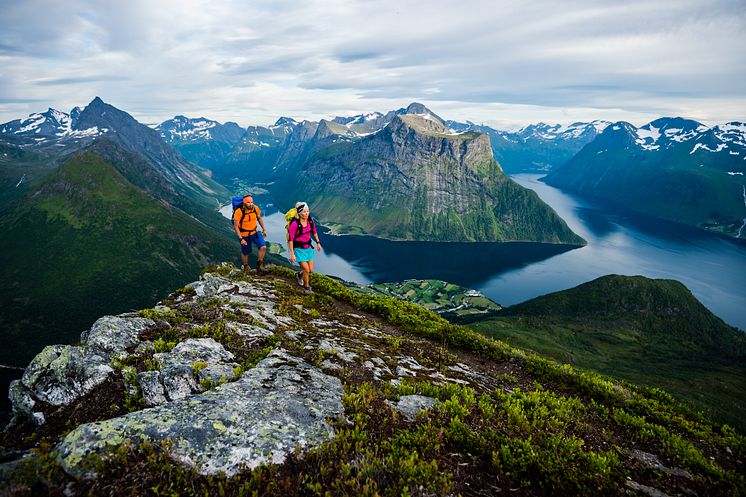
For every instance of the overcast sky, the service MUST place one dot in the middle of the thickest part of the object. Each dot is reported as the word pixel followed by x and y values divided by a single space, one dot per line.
pixel 502 63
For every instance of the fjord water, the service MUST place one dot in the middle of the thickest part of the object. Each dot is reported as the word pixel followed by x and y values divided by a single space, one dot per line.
pixel 619 242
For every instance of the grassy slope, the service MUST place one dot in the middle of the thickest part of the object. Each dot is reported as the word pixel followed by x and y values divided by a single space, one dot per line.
pixel 546 430
pixel 435 295
pixel 652 332
pixel 86 243
pixel 17 164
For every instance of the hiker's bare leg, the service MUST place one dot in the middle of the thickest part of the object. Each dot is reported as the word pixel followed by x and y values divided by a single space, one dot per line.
pixel 262 250
pixel 306 269
pixel 245 260
pixel 310 266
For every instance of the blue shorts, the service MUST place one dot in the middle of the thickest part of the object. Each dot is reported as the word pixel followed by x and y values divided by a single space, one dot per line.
pixel 303 254
pixel 257 239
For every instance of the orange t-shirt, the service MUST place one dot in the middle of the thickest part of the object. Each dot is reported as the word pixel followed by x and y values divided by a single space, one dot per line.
pixel 248 227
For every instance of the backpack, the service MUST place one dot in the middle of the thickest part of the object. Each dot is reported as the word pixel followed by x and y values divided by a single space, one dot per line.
pixel 237 203
pixel 289 216
pixel 292 215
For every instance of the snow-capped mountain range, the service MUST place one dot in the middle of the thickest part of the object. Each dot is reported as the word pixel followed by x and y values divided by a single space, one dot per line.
pixel 52 125
pixel 666 133
pixel 674 168
pixel 184 129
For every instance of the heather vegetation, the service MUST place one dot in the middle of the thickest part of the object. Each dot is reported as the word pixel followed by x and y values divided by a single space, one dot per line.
pixel 529 424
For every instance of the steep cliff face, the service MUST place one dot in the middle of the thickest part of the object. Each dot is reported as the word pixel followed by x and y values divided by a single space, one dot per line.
pixel 415 180
pixel 245 385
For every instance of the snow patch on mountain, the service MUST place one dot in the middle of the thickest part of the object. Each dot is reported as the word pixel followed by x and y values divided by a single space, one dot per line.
pixel 648 136
pixel 720 147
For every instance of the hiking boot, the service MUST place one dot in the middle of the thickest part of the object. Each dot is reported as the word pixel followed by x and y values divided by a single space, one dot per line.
pixel 260 267
pixel 246 269
pixel 307 289
pixel 299 277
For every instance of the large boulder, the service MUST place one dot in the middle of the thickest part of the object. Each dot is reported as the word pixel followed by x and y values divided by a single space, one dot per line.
pixel 281 404
pixel 186 368
pixel 113 335
pixel 57 376
pixel 61 374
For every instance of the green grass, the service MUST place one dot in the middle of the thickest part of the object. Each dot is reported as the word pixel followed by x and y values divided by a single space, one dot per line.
pixel 650 332
pixel 564 431
pixel 90 243
pixel 435 295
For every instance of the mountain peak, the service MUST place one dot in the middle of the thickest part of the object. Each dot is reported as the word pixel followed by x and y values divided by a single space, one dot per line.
pixel 284 121
pixel 418 109
pixel 422 123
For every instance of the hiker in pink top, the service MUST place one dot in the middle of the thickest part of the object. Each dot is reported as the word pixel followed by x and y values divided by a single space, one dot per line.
pixel 300 231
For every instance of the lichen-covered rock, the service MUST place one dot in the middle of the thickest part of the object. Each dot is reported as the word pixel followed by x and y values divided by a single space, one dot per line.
pixel 57 376
pixel 22 402
pixel 217 373
pixel 281 403
pixel 178 372
pixel 153 393
pixel 247 330
pixel 410 405
pixel 113 335
pixel 210 285
pixel 178 381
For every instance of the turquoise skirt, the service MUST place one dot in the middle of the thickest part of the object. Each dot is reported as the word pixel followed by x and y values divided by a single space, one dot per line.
pixel 303 254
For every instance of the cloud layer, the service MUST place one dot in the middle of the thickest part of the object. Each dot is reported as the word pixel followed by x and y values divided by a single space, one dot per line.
pixel 498 62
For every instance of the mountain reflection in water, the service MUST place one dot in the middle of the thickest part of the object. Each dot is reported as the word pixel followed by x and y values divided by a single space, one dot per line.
pixel 619 242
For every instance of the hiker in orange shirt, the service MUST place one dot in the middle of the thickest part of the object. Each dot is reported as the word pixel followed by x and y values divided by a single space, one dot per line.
pixel 245 219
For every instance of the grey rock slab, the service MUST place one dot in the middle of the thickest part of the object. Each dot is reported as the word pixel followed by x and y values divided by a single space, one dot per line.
pixel 327 364
pixel 247 330
pixel 410 405
pixel 440 378
pixel 58 375
pixel 210 285
pixel 379 368
pixel 21 400
pixel 152 389
pixel 197 349
pixel 652 461
pixel 177 366
pixel 295 334
pixel 644 489
pixel 113 335
pixel 178 381
pixel 335 347
pixel 218 373
pixel 281 403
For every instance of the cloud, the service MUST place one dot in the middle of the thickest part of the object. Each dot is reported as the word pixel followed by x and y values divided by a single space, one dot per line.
pixel 495 60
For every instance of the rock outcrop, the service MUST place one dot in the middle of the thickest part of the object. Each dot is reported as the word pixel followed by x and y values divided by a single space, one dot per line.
pixel 209 414
pixel 279 405
pixel 246 385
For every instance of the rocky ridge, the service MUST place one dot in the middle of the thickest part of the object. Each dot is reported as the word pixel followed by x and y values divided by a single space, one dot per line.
pixel 250 384
pixel 417 180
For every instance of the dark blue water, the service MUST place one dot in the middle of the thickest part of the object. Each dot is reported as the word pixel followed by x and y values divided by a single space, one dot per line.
pixel 619 242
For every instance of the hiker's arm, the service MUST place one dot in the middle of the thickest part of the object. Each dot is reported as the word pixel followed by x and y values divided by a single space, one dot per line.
pixel 316 236
pixel 292 254
pixel 261 223
pixel 318 242
pixel 238 231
